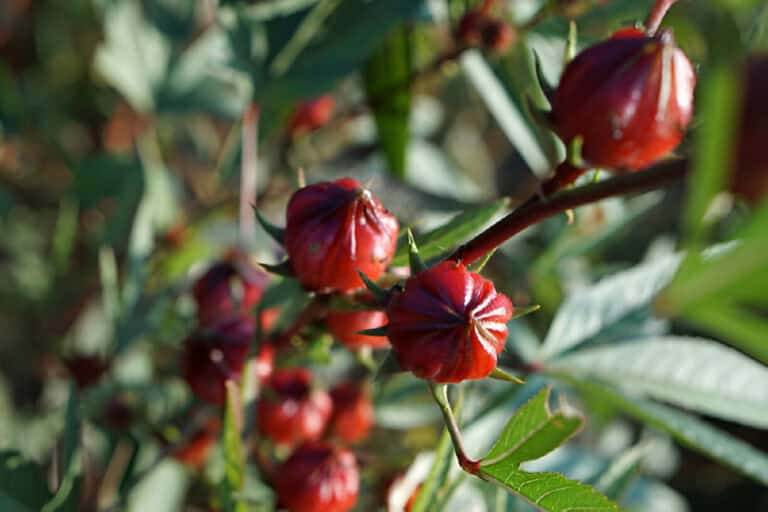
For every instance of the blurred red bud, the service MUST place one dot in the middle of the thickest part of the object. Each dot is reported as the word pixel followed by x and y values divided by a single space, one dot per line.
pixel 345 326
pixel 312 114
pixel 352 412
pixel 318 477
pixel 290 411
pixel 86 370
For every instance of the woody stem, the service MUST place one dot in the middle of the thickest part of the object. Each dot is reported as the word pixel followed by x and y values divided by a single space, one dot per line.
pixel 535 211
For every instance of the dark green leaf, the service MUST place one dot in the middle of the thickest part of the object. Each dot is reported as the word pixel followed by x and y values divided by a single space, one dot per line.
pixel 23 487
pixel 387 83
pixel 533 431
pixel 455 231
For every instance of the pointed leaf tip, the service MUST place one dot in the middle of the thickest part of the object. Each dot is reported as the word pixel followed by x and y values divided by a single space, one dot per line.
pixel 277 233
pixel 415 261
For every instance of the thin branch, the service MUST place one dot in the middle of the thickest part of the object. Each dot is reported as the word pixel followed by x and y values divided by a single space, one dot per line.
pixel 249 174
pixel 440 394
pixel 657 14
pixel 535 211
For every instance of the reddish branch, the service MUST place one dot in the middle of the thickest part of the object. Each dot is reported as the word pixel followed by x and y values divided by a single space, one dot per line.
pixel 657 14
pixel 537 210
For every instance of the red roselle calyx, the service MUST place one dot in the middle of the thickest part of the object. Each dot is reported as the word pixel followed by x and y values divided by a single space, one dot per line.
pixel 345 326
pixel 318 477
pixel 448 324
pixel 229 287
pixel 290 411
pixel 352 412
pixel 312 114
pixel 629 98
pixel 334 229
pixel 86 370
pixel 750 177
pixel 477 28
pixel 194 451
pixel 213 356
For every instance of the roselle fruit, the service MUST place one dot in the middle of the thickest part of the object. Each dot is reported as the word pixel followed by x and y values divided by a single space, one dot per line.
pixel 750 177
pixel 318 477
pixel 194 451
pixel 231 286
pixel 213 356
pixel 448 324
pixel 352 412
pixel 345 326
pixel 334 229
pixel 290 411
pixel 630 99
pixel 312 114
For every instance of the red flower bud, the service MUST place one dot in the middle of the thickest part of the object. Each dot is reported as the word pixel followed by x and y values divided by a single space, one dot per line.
pixel 352 412
pixel 212 357
pixel 289 411
pixel 230 287
pixel 449 324
pixel 318 477
pixel 630 98
pixel 345 326
pixel 750 178
pixel 498 36
pixel 312 114
pixel 470 28
pixel 335 229
pixel 86 370
pixel 118 413
pixel 265 362
pixel 194 452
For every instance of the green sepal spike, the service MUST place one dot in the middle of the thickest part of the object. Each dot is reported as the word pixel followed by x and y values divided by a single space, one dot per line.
pixel 381 294
pixel 415 261
pixel 277 233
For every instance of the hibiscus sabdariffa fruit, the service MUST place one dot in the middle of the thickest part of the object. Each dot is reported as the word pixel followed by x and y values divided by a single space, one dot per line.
pixel 629 99
pixel 346 326
pixel 335 229
pixel 750 177
pixel 318 477
pixel 290 411
pixel 448 324
pixel 217 354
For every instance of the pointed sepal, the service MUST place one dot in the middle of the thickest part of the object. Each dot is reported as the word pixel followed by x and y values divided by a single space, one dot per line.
pixel 277 233
pixel 500 374
pixel 417 265
pixel 381 294
pixel 544 84
pixel 283 268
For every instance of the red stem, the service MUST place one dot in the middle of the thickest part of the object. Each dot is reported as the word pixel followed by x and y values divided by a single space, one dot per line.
pixel 657 14
pixel 537 210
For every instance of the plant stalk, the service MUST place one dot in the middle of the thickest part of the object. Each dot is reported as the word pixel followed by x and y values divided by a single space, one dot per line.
pixel 440 394
pixel 657 14
pixel 535 211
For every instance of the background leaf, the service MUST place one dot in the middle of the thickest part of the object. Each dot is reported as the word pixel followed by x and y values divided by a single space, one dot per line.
pixel 695 373
pixel 387 84
pixel 686 429
pixel 587 312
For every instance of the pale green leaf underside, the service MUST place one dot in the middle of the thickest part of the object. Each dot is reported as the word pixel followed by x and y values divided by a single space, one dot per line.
pixel 686 429
pixel 699 374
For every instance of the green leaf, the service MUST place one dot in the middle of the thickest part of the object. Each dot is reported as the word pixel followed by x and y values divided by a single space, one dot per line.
pixel 23 487
pixel 387 84
pixel 341 44
pixel 551 492
pixel 686 429
pixel 455 231
pixel 414 259
pixel 587 312
pixel 617 477
pixel 695 373
pixel 70 445
pixel 134 56
pixel 234 457
pixel 533 431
